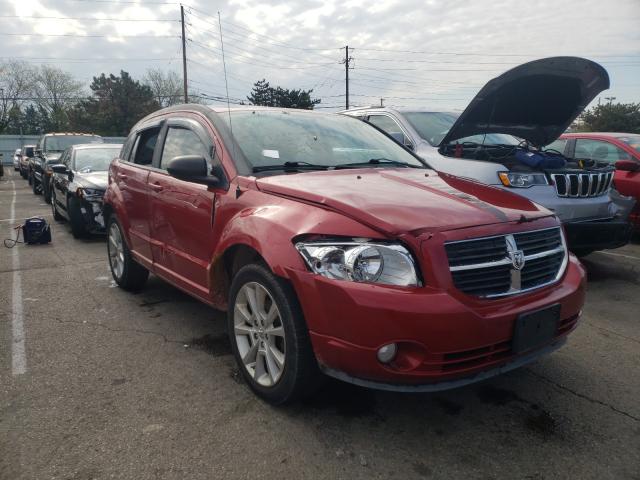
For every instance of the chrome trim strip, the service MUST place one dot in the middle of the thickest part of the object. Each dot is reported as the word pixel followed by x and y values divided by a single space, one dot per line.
pixel 498 236
pixel 506 260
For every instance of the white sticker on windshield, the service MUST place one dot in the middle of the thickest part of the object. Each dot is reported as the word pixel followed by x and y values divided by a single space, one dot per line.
pixel 271 153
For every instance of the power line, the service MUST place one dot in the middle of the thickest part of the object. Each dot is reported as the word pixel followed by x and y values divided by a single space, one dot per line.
pixel 84 36
pixel 483 54
pixel 93 19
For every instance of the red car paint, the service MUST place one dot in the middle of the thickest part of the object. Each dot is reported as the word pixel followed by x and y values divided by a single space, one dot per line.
pixel 183 232
pixel 626 182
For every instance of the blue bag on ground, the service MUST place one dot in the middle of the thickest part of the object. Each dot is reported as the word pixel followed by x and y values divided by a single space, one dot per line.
pixel 36 230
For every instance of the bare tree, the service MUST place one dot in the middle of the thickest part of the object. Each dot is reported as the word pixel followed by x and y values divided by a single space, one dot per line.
pixel 166 86
pixel 55 92
pixel 16 86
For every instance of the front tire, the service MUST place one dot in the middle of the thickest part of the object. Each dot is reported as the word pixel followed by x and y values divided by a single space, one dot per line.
pixel 126 272
pixel 35 186
pixel 78 228
pixel 46 191
pixel 56 216
pixel 269 336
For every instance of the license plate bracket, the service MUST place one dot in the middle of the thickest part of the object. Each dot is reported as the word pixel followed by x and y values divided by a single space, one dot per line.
pixel 534 329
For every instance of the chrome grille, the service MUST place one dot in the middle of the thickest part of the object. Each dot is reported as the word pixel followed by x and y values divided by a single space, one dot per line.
pixel 507 264
pixel 590 184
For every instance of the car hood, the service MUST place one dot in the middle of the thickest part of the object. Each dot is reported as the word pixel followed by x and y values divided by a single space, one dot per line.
pixel 51 156
pixel 535 101
pixel 97 180
pixel 405 200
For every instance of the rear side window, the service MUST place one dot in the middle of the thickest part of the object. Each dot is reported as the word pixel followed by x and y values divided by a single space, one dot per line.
pixel 145 146
pixel 598 150
pixel 390 126
pixel 181 141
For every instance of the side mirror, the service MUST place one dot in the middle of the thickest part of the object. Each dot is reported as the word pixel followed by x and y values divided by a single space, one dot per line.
pixel 59 168
pixel 627 165
pixel 192 168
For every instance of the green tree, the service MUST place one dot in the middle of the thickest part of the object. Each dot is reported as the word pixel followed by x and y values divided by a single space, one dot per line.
pixel 116 104
pixel 617 117
pixel 268 96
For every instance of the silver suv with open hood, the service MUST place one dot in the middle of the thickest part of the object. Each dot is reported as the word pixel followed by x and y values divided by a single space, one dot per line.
pixel 499 140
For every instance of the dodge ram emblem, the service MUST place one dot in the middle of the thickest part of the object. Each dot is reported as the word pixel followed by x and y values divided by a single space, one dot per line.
pixel 516 256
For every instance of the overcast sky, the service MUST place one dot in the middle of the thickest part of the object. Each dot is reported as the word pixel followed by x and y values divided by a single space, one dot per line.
pixel 427 53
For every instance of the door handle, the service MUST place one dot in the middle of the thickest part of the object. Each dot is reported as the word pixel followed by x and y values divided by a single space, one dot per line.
pixel 122 176
pixel 156 187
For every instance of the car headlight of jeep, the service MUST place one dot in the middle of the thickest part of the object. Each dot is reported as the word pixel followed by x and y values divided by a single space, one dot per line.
pixel 522 180
pixel 365 262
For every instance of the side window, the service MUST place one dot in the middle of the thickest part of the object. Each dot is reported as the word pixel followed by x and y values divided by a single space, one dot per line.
pixel 599 151
pixel 390 126
pixel 558 146
pixel 127 147
pixel 181 141
pixel 145 146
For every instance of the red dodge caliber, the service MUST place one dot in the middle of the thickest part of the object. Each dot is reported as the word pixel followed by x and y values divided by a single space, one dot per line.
pixel 334 249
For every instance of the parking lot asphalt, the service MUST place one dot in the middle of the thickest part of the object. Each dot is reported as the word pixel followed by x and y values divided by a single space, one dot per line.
pixel 117 385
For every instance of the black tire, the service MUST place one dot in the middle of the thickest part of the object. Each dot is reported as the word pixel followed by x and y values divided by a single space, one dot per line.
pixel 35 186
pixel 56 216
pixel 582 252
pixel 134 275
pixel 300 375
pixel 46 190
pixel 29 178
pixel 78 227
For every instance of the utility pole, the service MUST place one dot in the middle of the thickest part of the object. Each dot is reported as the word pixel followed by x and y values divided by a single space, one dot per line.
pixel 611 99
pixel 184 57
pixel 347 62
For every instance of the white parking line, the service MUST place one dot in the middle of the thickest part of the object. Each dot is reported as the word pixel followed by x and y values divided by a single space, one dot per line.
pixel 620 255
pixel 18 354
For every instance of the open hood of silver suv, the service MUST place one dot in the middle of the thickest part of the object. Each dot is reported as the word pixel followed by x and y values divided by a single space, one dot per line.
pixel 535 101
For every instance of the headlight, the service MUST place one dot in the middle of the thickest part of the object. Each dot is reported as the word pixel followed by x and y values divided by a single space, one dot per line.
pixel 92 193
pixel 361 262
pixel 522 180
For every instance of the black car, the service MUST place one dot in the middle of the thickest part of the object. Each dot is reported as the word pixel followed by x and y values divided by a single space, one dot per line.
pixel 28 152
pixel 48 150
pixel 78 183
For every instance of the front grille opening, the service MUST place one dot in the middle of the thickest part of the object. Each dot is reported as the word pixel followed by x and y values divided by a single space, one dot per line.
pixel 488 267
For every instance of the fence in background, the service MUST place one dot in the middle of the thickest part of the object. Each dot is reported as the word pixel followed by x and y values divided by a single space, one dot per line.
pixel 9 144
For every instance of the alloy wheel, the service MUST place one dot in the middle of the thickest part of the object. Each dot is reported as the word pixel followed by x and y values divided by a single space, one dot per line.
pixel 259 334
pixel 116 250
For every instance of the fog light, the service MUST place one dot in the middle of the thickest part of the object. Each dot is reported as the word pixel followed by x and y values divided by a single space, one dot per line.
pixel 386 353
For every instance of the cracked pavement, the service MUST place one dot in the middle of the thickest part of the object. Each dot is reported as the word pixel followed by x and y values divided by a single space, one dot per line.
pixel 143 386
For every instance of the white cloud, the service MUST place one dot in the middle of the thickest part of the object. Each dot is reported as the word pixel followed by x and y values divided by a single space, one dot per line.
pixel 500 34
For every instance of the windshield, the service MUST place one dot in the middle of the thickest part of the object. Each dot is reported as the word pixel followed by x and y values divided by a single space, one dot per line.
pixel 94 159
pixel 60 143
pixel 433 126
pixel 275 137
pixel 632 140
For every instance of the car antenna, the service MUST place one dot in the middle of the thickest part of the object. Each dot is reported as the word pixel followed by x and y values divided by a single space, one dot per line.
pixel 226 85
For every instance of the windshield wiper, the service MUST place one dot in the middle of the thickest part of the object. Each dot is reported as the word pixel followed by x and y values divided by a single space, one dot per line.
pixel 375 161
pixel 290 167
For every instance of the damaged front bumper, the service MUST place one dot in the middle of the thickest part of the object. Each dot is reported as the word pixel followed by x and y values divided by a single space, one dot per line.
pixel 92 214
pixel 598 234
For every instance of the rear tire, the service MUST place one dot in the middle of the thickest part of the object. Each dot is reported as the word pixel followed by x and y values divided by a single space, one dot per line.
pixel 35 187
pixel 126 272
pixel 269 337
